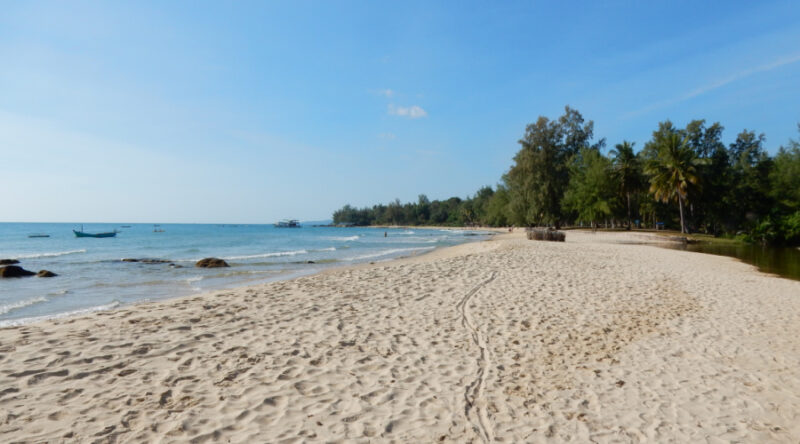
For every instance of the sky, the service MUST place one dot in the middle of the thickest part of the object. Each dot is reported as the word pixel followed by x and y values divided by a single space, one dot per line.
pixel 250 112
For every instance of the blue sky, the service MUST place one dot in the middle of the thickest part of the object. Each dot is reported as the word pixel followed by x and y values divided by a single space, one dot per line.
pixel 248 112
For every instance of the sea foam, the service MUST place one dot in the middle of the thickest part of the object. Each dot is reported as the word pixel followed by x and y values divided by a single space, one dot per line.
pixel 7 308
pixel 22 321
pixel 48 254
pixel 388 252
pixel 345 238
pixel 275 254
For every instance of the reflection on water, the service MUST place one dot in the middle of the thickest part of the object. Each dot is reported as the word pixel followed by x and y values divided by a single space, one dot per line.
pixel 782 261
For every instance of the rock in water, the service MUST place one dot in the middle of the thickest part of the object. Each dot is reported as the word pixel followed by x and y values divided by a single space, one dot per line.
pixel 211 262
pixel 146 260
pixel 8 261
pixel 12 271
pixel 45 274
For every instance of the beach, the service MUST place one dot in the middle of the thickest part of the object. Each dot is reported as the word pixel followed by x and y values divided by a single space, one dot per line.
pixel 597 339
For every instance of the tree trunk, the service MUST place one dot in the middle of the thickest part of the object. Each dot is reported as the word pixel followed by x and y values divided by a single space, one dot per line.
pixel 680 206
pixel 630 222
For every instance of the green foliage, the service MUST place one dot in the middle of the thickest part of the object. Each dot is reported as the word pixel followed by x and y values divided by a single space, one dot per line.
pixel 497 210
pixel 591 191
pixel 672 169
pixel 558 176
pixel 785 177
pixel 627 172
pixel 452 212
pixel 540 174
pixel 790 228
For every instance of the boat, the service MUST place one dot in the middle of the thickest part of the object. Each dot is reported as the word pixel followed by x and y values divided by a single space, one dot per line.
pixel 85 234
pixel 157 229
pixel 38 235
pixel 124 226
pixel 288 223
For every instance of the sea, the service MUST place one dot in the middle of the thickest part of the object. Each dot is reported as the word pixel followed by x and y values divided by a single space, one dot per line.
pixel 92 275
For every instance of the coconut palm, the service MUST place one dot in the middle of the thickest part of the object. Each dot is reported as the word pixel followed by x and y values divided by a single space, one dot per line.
pixel 627 169
pixel 672 170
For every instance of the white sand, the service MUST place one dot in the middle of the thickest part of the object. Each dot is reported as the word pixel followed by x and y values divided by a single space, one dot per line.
pixel 509 340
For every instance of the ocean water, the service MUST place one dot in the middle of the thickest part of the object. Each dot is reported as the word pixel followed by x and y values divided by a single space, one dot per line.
pixel 92 275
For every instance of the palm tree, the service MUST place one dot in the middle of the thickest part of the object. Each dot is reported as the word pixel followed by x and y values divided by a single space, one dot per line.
pixel 628 173
pixel 672 170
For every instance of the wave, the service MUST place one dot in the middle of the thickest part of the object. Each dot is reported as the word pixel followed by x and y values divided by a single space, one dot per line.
pixel 14 322
pixel 407 232
pixel 388 252
pixel 21 304
pixel 130 284
pixel 190 282
pixel 345 238
pixel 276 254
pixel 327 249
pixel 245 273
pixel 49 254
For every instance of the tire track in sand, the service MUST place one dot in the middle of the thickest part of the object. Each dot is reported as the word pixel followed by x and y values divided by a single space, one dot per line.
pixel 474 393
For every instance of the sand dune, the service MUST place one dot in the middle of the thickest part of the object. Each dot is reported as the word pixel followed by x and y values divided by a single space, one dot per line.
pixel 509 340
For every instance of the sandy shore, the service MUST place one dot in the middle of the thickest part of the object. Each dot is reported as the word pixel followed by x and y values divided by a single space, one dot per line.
pixel 508 340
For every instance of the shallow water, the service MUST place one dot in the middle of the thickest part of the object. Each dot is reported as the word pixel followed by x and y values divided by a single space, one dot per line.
pixel 782 261
pixel 93 277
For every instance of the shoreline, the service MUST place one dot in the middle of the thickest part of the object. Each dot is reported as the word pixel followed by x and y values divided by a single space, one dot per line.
pixel 288 276
pixel 509 339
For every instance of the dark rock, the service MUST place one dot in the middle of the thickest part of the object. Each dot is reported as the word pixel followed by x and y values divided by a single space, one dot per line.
pixel 147 261
pixel 310 262
pixel 175 266
pixel 8 261
pixel 13 271
pixel 45 274
pixel 211 262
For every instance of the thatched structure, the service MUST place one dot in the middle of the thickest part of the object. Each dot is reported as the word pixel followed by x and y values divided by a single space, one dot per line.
pixel 546 234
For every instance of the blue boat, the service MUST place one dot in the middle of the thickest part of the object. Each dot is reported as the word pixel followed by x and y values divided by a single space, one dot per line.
pixel 85 234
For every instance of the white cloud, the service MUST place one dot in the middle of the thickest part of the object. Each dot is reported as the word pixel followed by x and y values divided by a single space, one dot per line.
pixel 386 92
pixel 412 112
pixel 740 75
pixel 781 62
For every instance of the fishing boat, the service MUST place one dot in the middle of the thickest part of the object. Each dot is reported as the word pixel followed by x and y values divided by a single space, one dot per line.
pixel 85 234
pixel 288 223
pixel 38 235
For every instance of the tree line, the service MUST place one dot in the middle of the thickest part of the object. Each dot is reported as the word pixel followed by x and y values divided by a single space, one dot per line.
pixel 685 179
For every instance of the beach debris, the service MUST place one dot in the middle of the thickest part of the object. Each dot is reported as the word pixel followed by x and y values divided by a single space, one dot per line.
pixel 45 274
pixel 8 261
pixel 545 234
pixel 211 262
pixel 12 271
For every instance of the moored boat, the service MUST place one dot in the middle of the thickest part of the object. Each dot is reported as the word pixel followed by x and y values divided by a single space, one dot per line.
pixel 288 223
pixel 82 233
